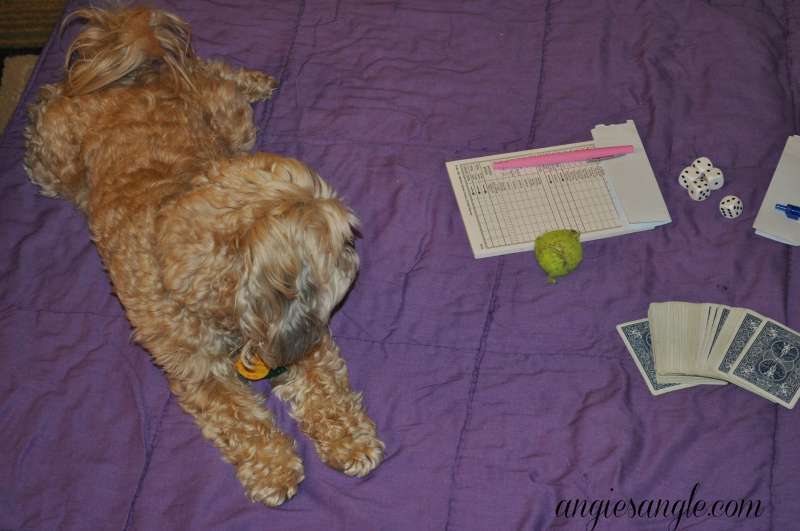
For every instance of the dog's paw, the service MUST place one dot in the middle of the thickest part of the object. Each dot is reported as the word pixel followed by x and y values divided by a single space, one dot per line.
pixel 257 86
pixel 356 456
pixel 273 474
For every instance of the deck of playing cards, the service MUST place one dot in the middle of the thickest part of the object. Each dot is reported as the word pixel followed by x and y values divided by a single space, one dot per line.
pixel 683 344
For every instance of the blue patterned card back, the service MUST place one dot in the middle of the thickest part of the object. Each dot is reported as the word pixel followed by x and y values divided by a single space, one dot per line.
pixel 749 325
pixel 637 335
pixel 772 363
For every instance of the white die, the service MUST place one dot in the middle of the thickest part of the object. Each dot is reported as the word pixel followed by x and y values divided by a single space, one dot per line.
pixel 731 206
pixel 715 178
pixel 688 176
pixel 699 190
pixel 702 164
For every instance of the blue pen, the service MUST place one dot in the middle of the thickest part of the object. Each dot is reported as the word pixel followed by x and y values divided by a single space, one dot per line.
pixel 791 211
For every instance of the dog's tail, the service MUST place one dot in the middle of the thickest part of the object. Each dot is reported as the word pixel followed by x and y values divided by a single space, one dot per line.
pixel 120 45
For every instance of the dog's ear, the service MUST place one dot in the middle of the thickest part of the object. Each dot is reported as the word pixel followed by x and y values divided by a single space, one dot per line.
pixel 298 329
pixel 278 298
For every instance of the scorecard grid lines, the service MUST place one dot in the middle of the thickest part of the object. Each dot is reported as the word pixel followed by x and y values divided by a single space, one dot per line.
pixel 516 206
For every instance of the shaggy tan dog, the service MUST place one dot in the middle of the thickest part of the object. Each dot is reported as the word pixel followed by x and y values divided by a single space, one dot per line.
pixel 214 253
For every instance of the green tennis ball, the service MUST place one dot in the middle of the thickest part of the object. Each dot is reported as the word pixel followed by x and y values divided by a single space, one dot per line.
pixel 558 252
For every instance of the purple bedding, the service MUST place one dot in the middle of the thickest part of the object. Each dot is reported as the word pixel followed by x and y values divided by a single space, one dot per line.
pixel 498 395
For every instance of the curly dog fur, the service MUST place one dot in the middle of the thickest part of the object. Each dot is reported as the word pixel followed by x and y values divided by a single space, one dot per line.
pixel 210 249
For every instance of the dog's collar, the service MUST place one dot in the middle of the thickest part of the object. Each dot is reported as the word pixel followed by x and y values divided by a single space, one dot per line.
pixel 257 369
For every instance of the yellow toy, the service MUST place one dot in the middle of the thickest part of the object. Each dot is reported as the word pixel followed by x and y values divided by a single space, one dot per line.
pixel 255 369
pixel 558 252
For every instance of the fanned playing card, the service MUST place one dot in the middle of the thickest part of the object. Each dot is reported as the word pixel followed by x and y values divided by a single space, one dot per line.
pixel 637 338
pixel 745 328
pixel 724 312
pixel 769 364
pixel 684 344
pixel 681 329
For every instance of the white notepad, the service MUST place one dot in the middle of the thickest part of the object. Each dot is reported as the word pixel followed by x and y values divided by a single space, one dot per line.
pixel 505 210
pixel 784 188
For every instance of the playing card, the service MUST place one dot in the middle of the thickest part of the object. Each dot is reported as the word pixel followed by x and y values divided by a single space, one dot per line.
pixel 711 334
pixel 667 325
pixel 769 364
pixel 717 317
pixel 684 329
pixel 722 316
pixel 663 322
pixel 730 349
pixel 637 338
pixel 658 317
pixel 726 334
pixel 700 355
pixel 700 328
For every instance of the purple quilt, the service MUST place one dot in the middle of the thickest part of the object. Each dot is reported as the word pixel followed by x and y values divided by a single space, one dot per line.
pixel 498 395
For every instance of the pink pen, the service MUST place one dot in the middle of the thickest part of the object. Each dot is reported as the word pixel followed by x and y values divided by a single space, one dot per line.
pixel 565 156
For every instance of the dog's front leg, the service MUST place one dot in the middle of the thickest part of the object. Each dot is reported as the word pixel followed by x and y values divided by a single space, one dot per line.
pixel 330 413
pixel 234 419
